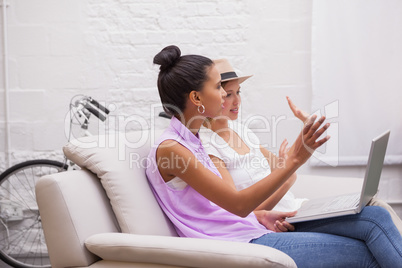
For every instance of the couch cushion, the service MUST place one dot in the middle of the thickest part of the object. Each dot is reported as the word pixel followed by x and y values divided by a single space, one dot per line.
pixel 119 160
pixel 186 252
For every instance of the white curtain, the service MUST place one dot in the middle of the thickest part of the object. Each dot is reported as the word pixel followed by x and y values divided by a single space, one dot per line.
pixel 357 77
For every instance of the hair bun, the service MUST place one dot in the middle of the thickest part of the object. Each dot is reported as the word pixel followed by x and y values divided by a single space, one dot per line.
pixel 167 57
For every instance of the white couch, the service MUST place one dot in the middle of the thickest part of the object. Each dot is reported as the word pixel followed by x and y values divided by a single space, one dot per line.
pixel 105 215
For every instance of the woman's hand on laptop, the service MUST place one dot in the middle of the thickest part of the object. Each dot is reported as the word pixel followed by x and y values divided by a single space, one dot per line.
pixel 275 220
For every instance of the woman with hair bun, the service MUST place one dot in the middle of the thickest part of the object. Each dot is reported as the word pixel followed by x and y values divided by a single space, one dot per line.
pixel 201 204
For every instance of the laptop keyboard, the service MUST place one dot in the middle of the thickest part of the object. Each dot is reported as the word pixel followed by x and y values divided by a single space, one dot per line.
pixel 343 202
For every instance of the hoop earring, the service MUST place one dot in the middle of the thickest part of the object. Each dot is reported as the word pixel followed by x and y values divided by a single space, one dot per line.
pixel 203 109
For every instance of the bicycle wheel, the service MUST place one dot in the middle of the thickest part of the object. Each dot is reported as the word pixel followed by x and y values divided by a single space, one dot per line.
pixel 22 242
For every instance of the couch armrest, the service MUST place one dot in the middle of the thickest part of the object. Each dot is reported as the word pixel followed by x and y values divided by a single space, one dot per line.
pixel 187 252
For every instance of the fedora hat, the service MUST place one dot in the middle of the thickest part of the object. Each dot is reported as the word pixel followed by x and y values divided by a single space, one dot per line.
pixel 227 72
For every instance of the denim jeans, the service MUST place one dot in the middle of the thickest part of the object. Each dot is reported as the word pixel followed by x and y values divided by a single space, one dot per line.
pixel 367 239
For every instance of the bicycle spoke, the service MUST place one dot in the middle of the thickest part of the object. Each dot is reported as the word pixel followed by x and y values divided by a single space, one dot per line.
pixel 17 192
pixel 30 187
pixel 22 242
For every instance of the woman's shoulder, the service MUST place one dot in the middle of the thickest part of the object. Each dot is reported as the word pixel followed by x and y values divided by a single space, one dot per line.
pixel 171 149
pixel 205 133
pixel 245 133
pixel 240 128
pixel 211 141
pixel 167 142
pixel 209 138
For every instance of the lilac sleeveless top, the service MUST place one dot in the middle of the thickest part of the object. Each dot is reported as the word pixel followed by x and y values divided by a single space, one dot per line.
pixel 192 214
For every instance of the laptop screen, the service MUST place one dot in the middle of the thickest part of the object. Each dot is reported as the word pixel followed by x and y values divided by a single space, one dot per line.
pixel 374 167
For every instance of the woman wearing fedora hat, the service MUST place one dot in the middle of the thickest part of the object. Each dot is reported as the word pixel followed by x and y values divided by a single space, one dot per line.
pixel 224 141
pixel 224 138
pixel 201 204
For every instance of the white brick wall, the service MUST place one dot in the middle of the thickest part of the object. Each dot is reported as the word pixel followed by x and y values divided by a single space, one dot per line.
pixel 104 48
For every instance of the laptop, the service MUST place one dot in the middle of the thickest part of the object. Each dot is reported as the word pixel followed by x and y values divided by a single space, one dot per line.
pixel 328 207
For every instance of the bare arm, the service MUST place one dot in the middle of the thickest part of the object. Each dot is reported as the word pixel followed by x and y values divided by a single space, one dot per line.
pixel 221 167
pixel 183 164
pixel 274 163
pixel 272 220
pixel 212 187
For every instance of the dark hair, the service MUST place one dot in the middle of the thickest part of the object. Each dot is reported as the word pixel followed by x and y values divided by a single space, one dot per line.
pixel 178 76
pixel 223 84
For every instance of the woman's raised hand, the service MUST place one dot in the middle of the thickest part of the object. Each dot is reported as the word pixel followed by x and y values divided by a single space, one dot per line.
pixel 302 115
pixel 308 140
